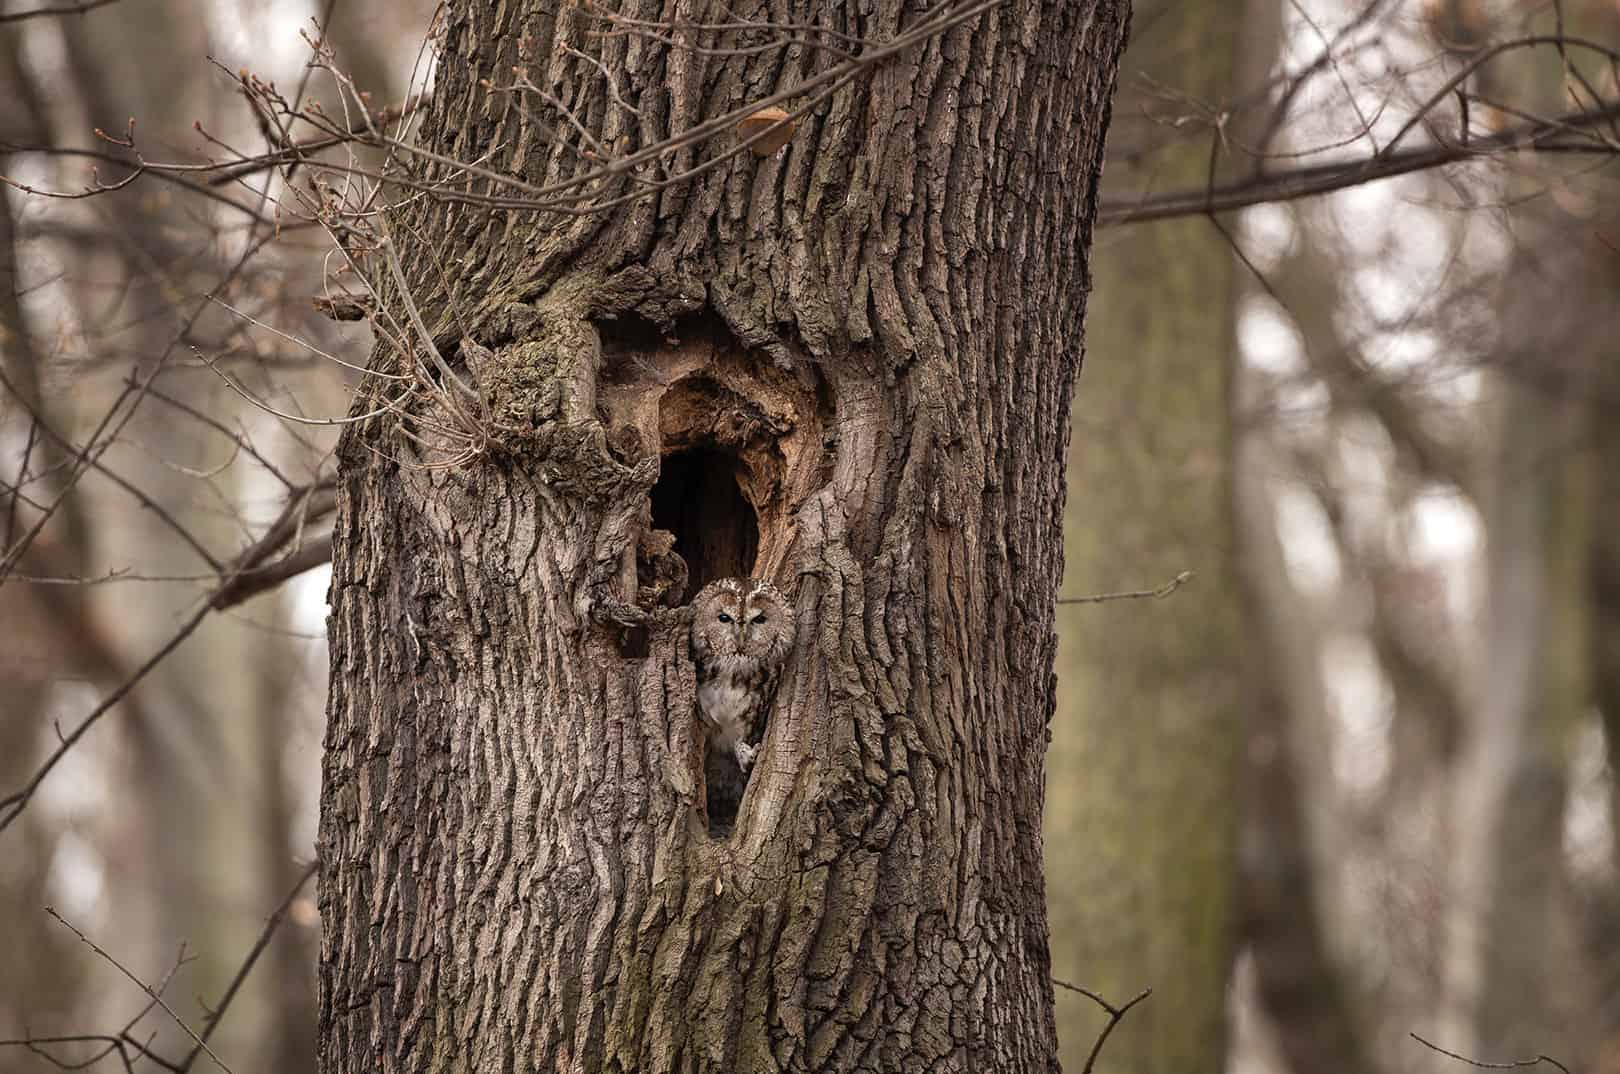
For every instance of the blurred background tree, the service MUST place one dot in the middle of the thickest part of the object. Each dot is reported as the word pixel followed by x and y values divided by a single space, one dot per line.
pixel 1400 717
pixel 1350 363
pixel 1141 836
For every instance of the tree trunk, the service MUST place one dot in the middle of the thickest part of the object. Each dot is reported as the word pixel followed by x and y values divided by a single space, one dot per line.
pixel 856 355
pixel 1515 973
pixel 1143 817
pixel 42 633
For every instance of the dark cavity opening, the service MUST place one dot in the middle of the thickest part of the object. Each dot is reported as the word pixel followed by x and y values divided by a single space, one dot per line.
pixel 699 500
pixel 634 643
pixel 724 784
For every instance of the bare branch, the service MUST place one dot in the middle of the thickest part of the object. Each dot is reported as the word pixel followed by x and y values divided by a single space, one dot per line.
pixel 1134 594
pixel 1311 180
pixel 78 8
pixel 1512 1064
pixel 151 992
pixel 271 923
pixel 1115 1016
pixel 231 590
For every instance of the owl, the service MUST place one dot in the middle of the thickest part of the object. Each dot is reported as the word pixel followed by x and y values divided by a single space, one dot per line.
pixel 742 630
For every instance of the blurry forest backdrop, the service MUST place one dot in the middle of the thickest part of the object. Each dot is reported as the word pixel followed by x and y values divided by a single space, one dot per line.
pixel 1349 406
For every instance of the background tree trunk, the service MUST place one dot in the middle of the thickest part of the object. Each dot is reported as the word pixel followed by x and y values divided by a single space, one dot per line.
pixel 55 982
pixel 874 334
pixel 1143 850
pixel 1513 920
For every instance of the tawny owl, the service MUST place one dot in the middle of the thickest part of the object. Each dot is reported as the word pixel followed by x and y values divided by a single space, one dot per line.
pixel 742 631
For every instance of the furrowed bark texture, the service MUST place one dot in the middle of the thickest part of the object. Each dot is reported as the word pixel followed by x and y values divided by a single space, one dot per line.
pixel 872 335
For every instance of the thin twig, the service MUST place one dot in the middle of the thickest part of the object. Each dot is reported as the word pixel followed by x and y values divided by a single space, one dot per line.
pixel 143 986
pixel 1135 594
pixel 1115 1016
pixel 78 8
pixel 271 923
pixel 22 480
pixel 108 430
pixel 230 590
pixel 1314 179
pixel 1483 1065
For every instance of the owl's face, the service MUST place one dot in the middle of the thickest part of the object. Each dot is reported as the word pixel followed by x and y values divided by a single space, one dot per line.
pixel 742 617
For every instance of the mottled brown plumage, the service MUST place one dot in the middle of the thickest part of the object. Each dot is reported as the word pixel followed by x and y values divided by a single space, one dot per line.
pixel 742 632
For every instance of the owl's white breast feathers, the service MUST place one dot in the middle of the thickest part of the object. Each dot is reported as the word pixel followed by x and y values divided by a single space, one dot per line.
pixel 727 698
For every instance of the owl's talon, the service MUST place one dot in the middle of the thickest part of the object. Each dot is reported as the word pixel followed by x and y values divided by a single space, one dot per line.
pixel 745 755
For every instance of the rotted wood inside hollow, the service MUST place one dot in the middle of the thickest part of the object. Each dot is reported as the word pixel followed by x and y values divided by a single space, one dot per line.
pixel 739 442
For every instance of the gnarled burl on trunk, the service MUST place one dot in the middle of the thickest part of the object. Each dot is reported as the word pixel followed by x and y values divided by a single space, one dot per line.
pixel 843 367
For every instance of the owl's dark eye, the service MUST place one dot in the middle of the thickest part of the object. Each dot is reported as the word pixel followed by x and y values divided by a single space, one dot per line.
pixel 760 618
pixel 724 618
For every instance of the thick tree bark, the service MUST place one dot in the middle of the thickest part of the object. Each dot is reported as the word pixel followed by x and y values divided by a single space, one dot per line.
pixel 874 335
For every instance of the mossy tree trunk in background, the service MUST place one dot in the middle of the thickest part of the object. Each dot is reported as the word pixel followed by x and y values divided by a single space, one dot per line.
pixel 873 336
pixel 1142 812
